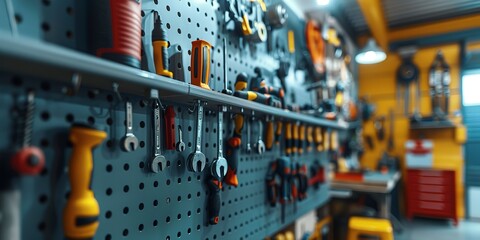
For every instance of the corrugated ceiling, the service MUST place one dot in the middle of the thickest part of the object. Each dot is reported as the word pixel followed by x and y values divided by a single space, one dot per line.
pixel 401 13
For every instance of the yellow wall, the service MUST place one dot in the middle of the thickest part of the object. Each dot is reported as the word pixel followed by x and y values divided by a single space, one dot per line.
pixel 378 83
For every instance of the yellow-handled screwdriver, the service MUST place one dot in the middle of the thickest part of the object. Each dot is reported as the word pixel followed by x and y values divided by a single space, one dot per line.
pixel 80 216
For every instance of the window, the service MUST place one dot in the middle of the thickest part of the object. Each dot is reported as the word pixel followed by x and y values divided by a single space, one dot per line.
pixel 470 89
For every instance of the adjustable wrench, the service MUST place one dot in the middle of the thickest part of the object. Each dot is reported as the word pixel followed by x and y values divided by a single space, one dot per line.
pixel 196 160
pixel 130 141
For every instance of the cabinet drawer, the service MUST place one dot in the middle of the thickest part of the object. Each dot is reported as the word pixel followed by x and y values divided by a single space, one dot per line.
pixel 433 197
pixel 421 180
pixel 425 188
pixel 434 206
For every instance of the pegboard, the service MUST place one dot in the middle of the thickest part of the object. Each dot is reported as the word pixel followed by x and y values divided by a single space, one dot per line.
pixel 134 202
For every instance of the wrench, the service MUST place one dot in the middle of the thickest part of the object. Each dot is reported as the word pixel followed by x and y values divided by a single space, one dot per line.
pixel 159 162
pixel 130 142
pixel 180 146
pixel 259 145
pixel 219 166
pixel 249 147
pixel 196 160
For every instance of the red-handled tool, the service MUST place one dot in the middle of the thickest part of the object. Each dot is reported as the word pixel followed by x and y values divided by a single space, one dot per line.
pixel 115 28
pixel 169 117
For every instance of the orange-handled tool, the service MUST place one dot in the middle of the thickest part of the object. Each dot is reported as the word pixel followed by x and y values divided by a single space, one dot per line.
pixel 309 138
pixel 200 63
pixel 319 140
pixel 269 134
pixel 301 138
pixel 80 216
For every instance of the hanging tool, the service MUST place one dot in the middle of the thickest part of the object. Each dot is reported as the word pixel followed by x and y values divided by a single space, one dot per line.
pixel 295 137
pixel 269 133
pixel 388 161
pixel 309 138
pixel 159 162
pixel 282 73
pixel 200 63
pixel 317 173
pixel 408 73
pixel 225 79
pixel 259 145
pixel 439 82
pixel 28 160
pixel 319 139
pixel 169 118
pixel 115 28
pixel 218 170
pixel 160 46
pixel 81 212
pixel 276 16
pixel 280 168
pixel 247 18
pixel 130 141
pixel 248 148
pixel 379 124
pixel 234 143
pixel 316 46
pixel 288 139
pixel 302 178
pixel 278 132
pixel 180 145
pixel 301 138
pixel 196 160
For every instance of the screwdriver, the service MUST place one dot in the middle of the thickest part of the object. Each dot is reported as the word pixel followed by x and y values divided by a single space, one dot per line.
pixel 80 216
pixel 301 139
pixel 309 138
pixel 318 137
pixel 288 139
pixel 278 132
pixel 215 200
pixel 200 63
pixel 234 143
pixel 160 45
pixel 295 137
pixel 272 186
pixel 269 134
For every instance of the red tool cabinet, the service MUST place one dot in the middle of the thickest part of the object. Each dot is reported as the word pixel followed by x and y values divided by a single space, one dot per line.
pixel 431 193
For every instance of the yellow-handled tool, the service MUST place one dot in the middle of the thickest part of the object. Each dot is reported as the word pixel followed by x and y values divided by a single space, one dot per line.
pixel 80 216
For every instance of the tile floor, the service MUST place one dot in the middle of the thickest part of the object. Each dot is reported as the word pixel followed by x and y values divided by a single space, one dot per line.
pixel 429 229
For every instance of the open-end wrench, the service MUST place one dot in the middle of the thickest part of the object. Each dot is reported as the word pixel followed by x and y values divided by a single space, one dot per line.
pixel 196 160
pixel 219 165
pixel 259 145
pixel 249 147
pixel 159 162
pixel 129 142
pixel 180 145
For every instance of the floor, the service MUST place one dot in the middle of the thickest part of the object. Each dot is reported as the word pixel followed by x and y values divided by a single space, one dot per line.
pixel 428 229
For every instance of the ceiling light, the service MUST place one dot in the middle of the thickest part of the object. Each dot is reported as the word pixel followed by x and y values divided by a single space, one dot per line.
pixel 370 54
pixel 323 2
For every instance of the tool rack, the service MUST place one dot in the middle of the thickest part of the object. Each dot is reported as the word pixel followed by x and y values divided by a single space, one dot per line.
pixel 135 203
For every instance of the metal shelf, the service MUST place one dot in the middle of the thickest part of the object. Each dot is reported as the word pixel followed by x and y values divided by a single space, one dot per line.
pixel 58 63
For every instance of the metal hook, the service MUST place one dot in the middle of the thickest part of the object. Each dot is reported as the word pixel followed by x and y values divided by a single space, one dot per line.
pixel 115 87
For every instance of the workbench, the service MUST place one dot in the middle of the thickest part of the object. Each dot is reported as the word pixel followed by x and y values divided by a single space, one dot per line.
pixel 377 185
